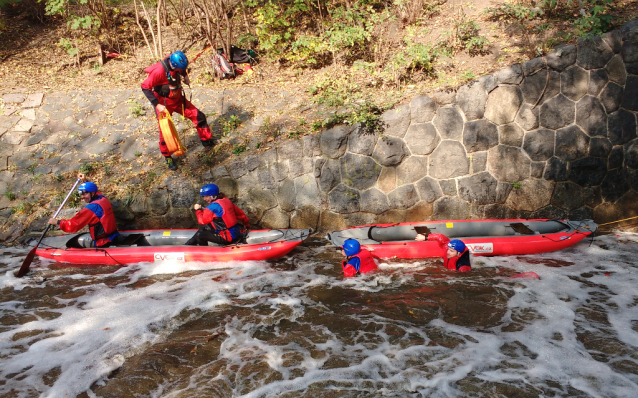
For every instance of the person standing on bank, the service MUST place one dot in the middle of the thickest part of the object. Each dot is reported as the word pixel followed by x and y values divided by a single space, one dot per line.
pixel 163 88
pixel 457 256
pixel 97 214
pixel 219 220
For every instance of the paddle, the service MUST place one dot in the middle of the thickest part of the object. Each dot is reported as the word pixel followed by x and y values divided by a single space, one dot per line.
pixel 27 261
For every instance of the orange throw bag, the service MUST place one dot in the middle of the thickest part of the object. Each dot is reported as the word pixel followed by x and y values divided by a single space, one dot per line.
pixel 169 133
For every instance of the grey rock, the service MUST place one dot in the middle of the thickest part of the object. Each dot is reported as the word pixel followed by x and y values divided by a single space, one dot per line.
pixel 286 195
pixel 388 179
pixel 611 97
pixel 551 212
pixel 23 126
pixel 451 208
pixel 582 213
pixel 539 144
pixel 600 147
pixel 629 31
pixel 510 134
pixel 269 156
pixel 181 192
pixel 343 199
pixel 444 97
pixel 279 171
pixel 615 185
pixel 275 218
pixel 257 201
pixel 479 161
pixel 480 135
pixel 622 127
pixel 300 166
pixel 591 116
pixel 362 142
pixel 538 168
pixel 412 169
pixel 42 169
pixel 121 111
pixel 237 169
pixel 471 98
pixel 428 189
pixel 588 171
pixel 449 160
pixel 509 75
pixel 306 217
pixel 574 83
pixel 527 117
pixel 568 196
pixel 508 164
pixel 396 121
pixel 631 155
pixel 563 56
pixel 552 87
pixel 449 123
pixel 630 97
pixel 557 112
pixel 219 172
pixel 503 104
pixel 158 201
pixel 307 191
pixel 616 70
pixel 334 141
pixel 479 189
pixel 253 162
pixel 330 175
pixel 293 149
pixel 265 179
pixel 617 157
pixel 556 170
pixel 489 82
pixel 597 81
pixel 629 53
pixel 35 139
pixel 422 109
pixel 571 143
pixel 228 186
pixel 13 98
pixel 318 166
pixel 422 138
pixel 592 196
pixel 448 187
pixel 532 195
pixel 358 171
pixel 139 206
pixel 13 138
pixel 503 190
pixel 403 197
pixel 374 201
pixel 593 53
pixel 311 145
pixel 390 151
pixel 101 148
pixel 613 40
pixel 533 65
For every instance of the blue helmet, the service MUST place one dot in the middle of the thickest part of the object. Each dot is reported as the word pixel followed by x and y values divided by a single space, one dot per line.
pixel 209 190
pixel 87 187
pixel 179 60
pixel 351 247
pixel 456 245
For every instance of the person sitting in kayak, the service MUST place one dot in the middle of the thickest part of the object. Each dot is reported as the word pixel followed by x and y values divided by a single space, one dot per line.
pixel 358 260
pixel 97 214
pixel 457 256
pixel 219 219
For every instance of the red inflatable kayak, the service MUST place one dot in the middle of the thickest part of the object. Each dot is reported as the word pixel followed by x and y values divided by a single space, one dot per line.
pixel 168 245
pixel 483 237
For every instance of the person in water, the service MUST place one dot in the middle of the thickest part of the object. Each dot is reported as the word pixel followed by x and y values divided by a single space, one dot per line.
pixel 219 220
pixel 358 260
pixel 457 255
pixel 97 214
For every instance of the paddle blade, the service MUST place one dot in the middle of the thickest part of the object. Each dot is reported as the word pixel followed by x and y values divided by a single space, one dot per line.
pixel 26 263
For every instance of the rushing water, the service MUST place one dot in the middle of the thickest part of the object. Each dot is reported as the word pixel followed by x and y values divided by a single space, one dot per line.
pixel 295 327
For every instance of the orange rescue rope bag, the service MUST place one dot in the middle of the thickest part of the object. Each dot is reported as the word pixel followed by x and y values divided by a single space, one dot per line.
pixel 169 133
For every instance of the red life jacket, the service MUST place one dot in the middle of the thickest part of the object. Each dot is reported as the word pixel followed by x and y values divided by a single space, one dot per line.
pixel 460 262
pixel 228 219
pixel 105 227
pixel 366 263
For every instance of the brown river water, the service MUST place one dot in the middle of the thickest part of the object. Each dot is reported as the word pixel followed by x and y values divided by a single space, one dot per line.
pixel 295 327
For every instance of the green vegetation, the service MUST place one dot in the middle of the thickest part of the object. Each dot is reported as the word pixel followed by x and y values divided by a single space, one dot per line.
pixel 516 185
pixel 238 149
pixel 135 108
pixel 22 208
pixel 10 195
pixel 230 124
pixel 87 168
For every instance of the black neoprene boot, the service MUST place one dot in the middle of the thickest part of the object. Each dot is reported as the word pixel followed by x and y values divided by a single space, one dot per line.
pixel 171 163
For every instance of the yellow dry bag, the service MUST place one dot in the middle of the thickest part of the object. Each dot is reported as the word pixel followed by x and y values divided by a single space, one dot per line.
pixel 169 133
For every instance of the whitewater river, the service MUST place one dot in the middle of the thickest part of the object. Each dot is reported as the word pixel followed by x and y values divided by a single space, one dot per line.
pixel 296 328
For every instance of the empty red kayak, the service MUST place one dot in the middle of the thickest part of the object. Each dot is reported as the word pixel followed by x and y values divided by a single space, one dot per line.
pixel 168 245
pixel 482 237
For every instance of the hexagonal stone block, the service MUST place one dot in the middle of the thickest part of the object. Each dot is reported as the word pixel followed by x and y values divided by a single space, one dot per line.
pixel 615 185
pixel 422 138
pixel 597 81
pixel 600 147
pixel 630 96
pixel 478 189
pixel 307 191
pixel 306 217
pixel 503 104
pixel 622 127
pixel 275 218
pixel 390 151
pixel 527 117
pixel 429 189
pixel 539 144
pixel 588 171
pixel 449 123
pixel 449 160
pixel 374 201
pixel 592 196
pixel 611 97
pixel 422 109
pixel 508 164
pixel 591 116
pixel 343 199
pixel 564 55
pixel 538 168
pixel 555 170
pixel 479 161
pixel 444 97
pixel 362 142
pixel 334 141
pixel 489 82
pixel 532 195
pixel 480 135
pixel 403 197
pixel 571 143
pixel 567 196
pixel 558 112
pixel 631 155
pixel 471 98
pixel 358 171
pixel 512 74
pixel 286 195
pixel 533 65
pixel 593 52
pixel 630 56
pixel 613 40
pixel 617 157
pixel 510 134
pixel 330 175
pixel 448 187
pixel 574 83
pixel 616 70
pixel 388 179
pixel 396 120
pixel 412 169
pixel 450 208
